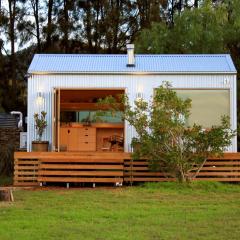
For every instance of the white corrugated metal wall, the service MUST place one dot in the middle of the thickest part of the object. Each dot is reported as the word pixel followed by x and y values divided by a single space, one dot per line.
pixel 132 84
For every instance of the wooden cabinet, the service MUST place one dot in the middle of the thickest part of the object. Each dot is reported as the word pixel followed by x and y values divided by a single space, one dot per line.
pixel 81 138
pixel 87 139
pixel 78 139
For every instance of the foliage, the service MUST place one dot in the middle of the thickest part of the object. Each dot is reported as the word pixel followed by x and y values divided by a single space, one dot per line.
pixel 113 105
pixel 6 158
pixel 164 139
pixel 40 124
pixel 199 30
pixel 6 180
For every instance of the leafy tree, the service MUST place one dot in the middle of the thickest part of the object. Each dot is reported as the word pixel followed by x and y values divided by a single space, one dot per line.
pixel 38 20
pixel 164 139
pixel 200 30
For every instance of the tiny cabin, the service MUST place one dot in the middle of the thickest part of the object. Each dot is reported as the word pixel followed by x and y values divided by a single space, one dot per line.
pixel 68 87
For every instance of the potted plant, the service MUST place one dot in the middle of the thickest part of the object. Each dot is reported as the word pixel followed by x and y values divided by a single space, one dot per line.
pixel 40 125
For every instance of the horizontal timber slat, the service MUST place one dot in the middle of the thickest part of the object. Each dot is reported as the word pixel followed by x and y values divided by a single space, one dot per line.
pixel 214 168
pixel 20 167
pixel 21 173
pixel 227 179
pixel 26 162
pixel 25 178
pixel 80 173
pixel 230 156
pixel 221 163
pixel 26 183
pixel 75 179
pixel 218 174
pixel 154 174
pixel 136 168
pixel 42 155
pixel 136 163
pixel 147 179
pixel 81 160
pixel 80 166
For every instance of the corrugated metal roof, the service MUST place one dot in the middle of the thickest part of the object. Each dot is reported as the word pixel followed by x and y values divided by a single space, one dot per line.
pixel 94 63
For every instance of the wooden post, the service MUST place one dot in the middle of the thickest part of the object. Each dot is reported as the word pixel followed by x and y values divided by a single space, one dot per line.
pixel 6 195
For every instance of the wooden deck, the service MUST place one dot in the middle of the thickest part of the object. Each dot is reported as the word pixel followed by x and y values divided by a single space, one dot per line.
pixel 33 168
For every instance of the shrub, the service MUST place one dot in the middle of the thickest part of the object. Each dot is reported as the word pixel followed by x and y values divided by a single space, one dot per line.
pixel 7 159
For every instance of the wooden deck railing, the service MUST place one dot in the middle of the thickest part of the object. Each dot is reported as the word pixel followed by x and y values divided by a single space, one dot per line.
pixel 68 167
pixel 224 169
pixel 33 168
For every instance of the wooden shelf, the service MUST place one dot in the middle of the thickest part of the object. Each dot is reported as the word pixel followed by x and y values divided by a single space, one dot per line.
pixel 95 125
pixel 66 106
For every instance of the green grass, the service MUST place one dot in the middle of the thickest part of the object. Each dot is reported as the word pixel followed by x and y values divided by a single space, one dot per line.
pixel 153 211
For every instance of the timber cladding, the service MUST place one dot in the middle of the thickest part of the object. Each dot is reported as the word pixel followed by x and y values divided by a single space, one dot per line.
pixel 31 168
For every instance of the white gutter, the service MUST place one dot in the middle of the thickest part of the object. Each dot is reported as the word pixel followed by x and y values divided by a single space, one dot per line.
pixel 133 73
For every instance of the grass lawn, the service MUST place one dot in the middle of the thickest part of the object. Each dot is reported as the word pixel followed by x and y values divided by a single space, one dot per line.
pixel 154 211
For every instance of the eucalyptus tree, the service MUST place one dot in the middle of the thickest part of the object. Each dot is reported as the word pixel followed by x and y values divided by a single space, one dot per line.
pixel 106 26
pixel 50 27
pixel 35 5
pixel 11 14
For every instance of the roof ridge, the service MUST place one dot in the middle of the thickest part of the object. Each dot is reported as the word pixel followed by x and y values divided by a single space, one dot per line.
pixel 124 55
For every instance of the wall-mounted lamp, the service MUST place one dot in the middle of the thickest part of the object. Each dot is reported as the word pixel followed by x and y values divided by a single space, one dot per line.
pixel 139 96
pixel 226 81
pixel 40 98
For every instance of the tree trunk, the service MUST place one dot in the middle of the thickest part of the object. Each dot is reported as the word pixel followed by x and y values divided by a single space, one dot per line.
pixel 49 24
pixel 12 15
pixel 117 10
pixel 196 3
pixel 37 26
pixel 6 195
pixel 88 26
pixel 66 26
pixel 172 13
pixel 144 13
pixel 96 34
pixel 35 7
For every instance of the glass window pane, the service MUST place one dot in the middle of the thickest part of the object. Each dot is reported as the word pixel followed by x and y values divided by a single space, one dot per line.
pixel 207 105
pixel 83 116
